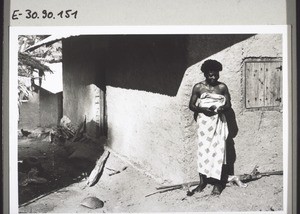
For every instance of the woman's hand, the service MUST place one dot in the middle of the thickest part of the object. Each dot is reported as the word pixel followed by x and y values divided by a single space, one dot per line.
pixel 221 109
pixel 207 111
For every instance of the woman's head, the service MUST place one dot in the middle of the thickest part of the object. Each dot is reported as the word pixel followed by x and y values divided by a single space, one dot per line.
pixel 211 65
pixel 211 69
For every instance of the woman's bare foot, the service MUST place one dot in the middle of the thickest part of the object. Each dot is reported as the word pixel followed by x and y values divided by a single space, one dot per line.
pixel 218 188
pixel 199 188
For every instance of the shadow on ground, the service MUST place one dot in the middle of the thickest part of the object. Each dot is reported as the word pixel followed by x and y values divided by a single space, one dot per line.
pixel 46 167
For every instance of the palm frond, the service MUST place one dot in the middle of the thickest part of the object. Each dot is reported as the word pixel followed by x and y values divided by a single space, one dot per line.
pixel 26 60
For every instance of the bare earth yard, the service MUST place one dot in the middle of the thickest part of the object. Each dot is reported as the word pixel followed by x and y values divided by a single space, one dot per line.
pixel 126 191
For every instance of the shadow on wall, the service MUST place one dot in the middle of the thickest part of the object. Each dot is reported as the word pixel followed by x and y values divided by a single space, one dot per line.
pixel 157 63
pixel 230 149
pixel 201 47
pixel 95 130
pixel 154 63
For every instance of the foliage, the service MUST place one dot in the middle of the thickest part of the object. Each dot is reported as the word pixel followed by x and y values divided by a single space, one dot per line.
pixel 28 64
pixel 23 91
pixel 34 61
pixel 51 53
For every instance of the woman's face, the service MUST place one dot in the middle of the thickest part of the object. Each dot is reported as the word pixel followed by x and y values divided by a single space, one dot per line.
pixel 212 77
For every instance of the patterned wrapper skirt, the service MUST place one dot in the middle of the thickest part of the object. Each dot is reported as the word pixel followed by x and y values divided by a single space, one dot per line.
pixel 212 135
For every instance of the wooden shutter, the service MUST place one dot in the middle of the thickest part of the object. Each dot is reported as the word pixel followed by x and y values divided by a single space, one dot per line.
pixel 263 84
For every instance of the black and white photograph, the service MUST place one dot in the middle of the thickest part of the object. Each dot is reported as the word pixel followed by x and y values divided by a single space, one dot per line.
pixel 149 119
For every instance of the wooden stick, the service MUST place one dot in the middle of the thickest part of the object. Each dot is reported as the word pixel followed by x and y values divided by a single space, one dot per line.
pixel 271 173
pixel 165 190
pixel 111 169
pixel 66 132
pixel 97 171
pixel 194 183
pixel 254 171
pixel 117 172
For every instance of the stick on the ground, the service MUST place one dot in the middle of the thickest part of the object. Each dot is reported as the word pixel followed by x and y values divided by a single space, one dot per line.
pixel 165 190
pixel 111 169
pixel 194 183
pixel 246 177
pixel 258 175
pixel 97 171
pixel 174 187
pixel 114 173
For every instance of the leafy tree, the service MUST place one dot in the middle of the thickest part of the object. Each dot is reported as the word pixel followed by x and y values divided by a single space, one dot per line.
pixel 32 64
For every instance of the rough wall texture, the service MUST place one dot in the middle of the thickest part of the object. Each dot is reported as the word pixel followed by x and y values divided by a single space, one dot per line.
pixel 142 77
pixel 259 132
pixel 43 109
pixel 145 127
pixel 148 119
pixel 50 108
pixel 158 131
pixel 29 113
pixel 80 68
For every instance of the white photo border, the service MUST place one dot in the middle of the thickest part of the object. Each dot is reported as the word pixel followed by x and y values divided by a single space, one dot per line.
pixel 284 30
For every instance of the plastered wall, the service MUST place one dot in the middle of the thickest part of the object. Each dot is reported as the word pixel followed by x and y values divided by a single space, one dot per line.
pixel 147 97
pixel 145 128
pixel 50 108
pixel 42 110
pixel 80 92
pixel 29 113
pixel 258 133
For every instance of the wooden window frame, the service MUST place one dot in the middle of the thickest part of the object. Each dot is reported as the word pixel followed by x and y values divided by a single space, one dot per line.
pixel 244 98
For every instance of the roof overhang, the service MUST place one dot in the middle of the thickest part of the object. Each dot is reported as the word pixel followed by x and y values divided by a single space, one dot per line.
pixel 49 40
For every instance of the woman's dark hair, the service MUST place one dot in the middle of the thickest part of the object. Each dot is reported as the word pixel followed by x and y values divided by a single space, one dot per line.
pixel 211 65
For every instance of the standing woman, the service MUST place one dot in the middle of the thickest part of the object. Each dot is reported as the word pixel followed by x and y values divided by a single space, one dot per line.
pixel 209 100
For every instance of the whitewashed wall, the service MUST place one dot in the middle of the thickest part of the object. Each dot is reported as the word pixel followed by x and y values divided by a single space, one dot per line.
pixel 158 134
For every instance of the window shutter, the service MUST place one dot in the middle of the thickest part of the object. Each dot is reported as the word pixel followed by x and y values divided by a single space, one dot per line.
pixel 273 83
pixel 263 84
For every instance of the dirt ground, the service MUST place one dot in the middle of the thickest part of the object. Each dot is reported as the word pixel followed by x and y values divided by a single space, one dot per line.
pixel 65 188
